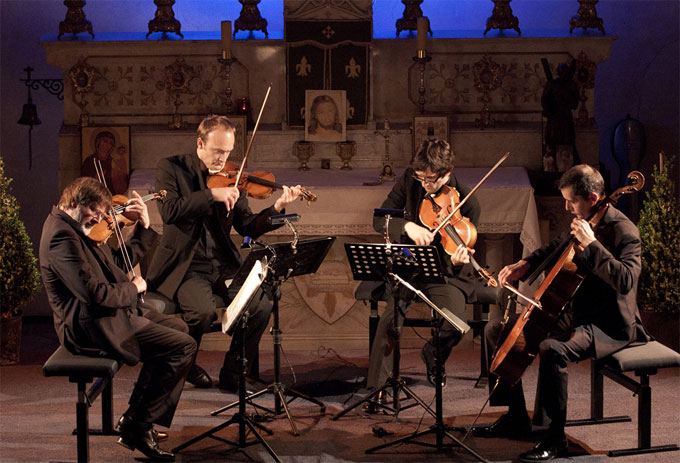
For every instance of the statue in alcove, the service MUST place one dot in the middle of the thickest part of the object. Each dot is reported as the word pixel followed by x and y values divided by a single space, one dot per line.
pixel 560 97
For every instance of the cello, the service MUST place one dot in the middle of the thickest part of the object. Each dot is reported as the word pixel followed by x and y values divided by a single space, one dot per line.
pixel 559 286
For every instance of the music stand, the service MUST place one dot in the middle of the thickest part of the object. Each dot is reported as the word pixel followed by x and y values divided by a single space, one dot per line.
pixel 235 313
pixel 439 429
pixel 376 262
pixel 287 259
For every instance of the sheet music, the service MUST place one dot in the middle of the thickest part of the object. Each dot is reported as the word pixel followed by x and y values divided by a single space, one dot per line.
pixel 231 314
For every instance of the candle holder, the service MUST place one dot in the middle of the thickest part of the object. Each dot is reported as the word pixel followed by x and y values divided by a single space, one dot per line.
pixel 488 76
pixel 178 77
pixel 75 21
pixel 587 17
pixel 346 151
pixel 250 19
pixel 421 59
pixel 164 20
pixel 409 20
pixel 303 150
pixel 585 76
pixel 502 17
pixel 227 61
pixel 82 77
pixel 387 172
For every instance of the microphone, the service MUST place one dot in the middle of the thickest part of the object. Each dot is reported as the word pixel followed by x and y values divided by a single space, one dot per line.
pixel 282 218
pixel 396 213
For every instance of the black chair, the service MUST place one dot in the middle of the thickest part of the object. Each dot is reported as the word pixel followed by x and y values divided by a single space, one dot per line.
pixel 83 370
pixel 374 292
pixel 644 361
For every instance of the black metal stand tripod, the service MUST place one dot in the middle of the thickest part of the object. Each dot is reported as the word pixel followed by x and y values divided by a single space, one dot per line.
pixel 439 429
pixel 278 389
pixel 379 261
pixel 240 418
pixel 287 260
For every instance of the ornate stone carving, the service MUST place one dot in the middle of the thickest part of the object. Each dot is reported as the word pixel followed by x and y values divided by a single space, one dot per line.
pixel 487 76
pixel 250 19
pixel 177 79
pixel 585 76
pixel 82 77
pixel 327 9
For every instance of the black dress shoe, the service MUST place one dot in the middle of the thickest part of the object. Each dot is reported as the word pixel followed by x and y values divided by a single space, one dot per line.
pixel 135 435
pixel 506 426
pixel 159 436
pixel 229 383
pixel 199 377
pixel 545 451
pixel 428 359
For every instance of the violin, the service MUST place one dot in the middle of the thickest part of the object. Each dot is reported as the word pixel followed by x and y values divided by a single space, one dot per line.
pixel 258 184
pixel 558 288
pixel 103 230
pixel 441 208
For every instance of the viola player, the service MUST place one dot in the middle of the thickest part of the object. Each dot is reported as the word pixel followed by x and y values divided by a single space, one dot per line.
pixel 196 254
pixel 430 169
pixel 97 311
pixel 601 318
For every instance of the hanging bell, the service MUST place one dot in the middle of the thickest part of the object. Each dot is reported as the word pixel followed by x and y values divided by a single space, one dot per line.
pixel 29 115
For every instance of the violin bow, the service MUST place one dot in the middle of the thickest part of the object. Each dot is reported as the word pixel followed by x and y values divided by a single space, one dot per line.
pixel 469 195
pixel 252 137
pixel 116 226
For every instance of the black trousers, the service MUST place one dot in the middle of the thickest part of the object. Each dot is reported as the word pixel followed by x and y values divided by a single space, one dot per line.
pixel 564 344
pixel 167 352
pixel 200 294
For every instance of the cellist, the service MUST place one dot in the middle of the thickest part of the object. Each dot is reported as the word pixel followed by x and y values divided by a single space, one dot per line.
pixel 601 318
pixel 196 254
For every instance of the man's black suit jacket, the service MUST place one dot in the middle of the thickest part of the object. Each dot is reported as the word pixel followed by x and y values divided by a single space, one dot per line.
pixel 187 205
pixel 92 298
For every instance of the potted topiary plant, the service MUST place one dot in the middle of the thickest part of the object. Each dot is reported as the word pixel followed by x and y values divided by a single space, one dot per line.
pixel 659 224
pixel 19 275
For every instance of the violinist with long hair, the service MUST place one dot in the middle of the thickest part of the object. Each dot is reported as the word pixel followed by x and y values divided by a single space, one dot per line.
pixel 601 318
pixel 196 254
pixel 430 170
pixel 98 312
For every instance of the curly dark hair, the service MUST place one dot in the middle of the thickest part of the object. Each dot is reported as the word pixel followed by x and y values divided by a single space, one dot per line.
pixel 435 154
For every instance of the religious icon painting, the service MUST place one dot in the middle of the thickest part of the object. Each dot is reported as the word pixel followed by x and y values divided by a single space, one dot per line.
pixel 425 127
pixel 111 146
pixel 325 115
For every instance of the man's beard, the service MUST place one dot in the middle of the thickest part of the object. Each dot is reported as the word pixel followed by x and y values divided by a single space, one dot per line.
pixel 86 228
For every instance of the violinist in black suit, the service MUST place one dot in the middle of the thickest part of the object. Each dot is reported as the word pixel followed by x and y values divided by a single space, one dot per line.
pixel 196 255
pixel 601 318
pixel 97 311
pixel 431 169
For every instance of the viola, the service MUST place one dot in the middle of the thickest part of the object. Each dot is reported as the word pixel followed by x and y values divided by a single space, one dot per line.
pixel 442 208
pixel 558 288
pixel 103 230
pixel 258 184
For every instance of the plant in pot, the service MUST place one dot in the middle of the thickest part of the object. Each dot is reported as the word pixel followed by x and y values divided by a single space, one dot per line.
pixel 659 224
pixel 19 275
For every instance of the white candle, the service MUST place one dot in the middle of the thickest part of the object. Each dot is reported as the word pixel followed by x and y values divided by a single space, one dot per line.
pixel 226 39
pixel 422 28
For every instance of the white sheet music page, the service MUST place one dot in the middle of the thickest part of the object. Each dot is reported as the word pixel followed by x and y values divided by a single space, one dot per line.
pixel 255 278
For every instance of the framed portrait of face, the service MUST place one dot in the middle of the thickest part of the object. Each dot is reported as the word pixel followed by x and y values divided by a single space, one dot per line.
pixel 429 127
pixel 325 115
pixel 111 147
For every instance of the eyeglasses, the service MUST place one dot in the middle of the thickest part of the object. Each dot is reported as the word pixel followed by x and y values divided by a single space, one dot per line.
pixel 430 179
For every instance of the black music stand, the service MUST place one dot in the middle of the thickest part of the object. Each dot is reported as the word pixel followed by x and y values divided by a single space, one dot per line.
pixel 238 309
pixel 287 260
pixel 439 429
pixel 376 262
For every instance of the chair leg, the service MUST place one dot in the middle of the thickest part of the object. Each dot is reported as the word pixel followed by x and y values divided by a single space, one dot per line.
pixel 82 424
